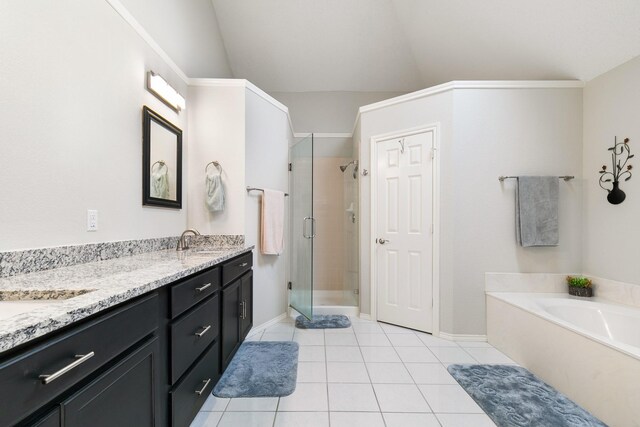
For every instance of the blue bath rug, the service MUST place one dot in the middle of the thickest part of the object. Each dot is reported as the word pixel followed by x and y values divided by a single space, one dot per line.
pixel 514 397
pixel 323 321
pixel 260 369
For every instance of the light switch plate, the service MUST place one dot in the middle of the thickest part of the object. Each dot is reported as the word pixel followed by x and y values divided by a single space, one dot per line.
pixel 92 220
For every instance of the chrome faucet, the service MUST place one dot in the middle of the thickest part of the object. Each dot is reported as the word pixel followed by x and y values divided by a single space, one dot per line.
pixel 182 242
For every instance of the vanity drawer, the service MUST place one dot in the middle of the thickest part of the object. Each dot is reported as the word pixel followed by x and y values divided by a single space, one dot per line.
pixel 191 291
pixel 236 267
pixel 190 394
pixel 192 334
pixel 71 356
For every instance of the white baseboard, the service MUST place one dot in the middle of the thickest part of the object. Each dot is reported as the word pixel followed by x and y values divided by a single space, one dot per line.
pixel 266 324
pixel 462 337
pixel 365 316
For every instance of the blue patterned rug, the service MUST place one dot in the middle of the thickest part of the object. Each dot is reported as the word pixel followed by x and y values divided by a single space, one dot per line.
pixel 260 369
pixel 513 396
pixel 323 321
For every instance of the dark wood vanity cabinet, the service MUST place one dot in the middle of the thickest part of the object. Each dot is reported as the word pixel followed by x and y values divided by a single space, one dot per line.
pixel 237 305
pixel 231 311
pixel 246 299
pixel 150 361
pixel 122 396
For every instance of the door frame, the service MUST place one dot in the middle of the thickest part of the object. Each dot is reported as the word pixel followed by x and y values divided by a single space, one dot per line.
pixel 435 176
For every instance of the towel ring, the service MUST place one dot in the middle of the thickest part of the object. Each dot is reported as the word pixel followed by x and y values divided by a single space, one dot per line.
pixel 159 162
pixel 214 163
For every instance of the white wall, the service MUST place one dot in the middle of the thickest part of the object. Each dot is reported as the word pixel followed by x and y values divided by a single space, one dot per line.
pixel 217 132
pixel 327 111
pixel 422 112
pixel 73 87
pixel 486 133
pixel 611 233
pixel 266 166
pixel 188 31
pixel 507 132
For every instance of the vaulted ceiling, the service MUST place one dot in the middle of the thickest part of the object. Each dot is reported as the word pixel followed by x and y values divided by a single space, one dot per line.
pixel 391 45
pixel 404 45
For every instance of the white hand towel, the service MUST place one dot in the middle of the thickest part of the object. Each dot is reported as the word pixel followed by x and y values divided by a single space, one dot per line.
pixel 160 183
pixel 272 223
pixel 215 192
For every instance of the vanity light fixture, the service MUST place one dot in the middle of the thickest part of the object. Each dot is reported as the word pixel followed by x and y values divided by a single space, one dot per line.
pixel 165 92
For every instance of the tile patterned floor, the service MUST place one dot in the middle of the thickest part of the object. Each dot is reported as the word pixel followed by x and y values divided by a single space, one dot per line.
pixel 369 375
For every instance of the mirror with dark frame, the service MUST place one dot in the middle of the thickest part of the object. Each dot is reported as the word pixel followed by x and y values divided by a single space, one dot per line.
pixel 161 161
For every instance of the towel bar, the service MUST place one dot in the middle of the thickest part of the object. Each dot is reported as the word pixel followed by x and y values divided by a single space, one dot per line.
pixel 565 177
pixel 262 190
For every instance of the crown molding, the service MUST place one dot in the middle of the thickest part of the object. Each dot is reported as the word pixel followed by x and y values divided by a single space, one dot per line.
pixel 472 84
pixel 138 28
pixel 323 134
pixel 212 82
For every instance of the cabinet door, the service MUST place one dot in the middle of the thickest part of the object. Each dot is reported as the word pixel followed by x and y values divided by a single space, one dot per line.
pixel 231 311
pixel 122 396
pixel 52 419
pixel 246 292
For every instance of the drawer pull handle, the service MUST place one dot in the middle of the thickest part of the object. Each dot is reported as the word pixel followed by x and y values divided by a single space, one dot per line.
pixel 202 288
pixel 204 387
pixel 244 264
pixel 204 331
pixel 80 359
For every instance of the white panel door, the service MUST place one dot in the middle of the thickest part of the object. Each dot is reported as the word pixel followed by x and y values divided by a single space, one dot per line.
pixel 404 235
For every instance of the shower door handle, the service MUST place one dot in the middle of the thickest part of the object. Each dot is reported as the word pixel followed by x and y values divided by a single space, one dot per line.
pixel 313 227
pixel 304 227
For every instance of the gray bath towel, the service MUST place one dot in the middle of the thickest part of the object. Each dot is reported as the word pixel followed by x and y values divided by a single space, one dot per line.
pixel 537 211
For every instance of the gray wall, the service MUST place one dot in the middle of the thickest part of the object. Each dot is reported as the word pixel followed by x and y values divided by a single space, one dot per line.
pixel 331 112
pixel 73 87
pixel 486 133
pixel 266 163
pixel 611 233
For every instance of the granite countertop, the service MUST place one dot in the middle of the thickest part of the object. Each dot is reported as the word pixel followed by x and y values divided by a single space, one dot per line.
pixel 76 292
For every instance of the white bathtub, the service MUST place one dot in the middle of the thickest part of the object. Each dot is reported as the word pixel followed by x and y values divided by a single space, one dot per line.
pixel 589 349
pixel 613 325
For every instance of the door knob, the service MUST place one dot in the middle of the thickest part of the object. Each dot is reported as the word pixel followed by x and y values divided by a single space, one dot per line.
pixel 382 241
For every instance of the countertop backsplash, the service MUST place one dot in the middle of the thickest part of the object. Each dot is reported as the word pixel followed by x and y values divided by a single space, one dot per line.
pixel 33 260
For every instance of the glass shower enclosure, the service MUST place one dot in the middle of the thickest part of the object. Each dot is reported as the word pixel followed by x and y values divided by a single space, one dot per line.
pixel 302 227
pixel 324 226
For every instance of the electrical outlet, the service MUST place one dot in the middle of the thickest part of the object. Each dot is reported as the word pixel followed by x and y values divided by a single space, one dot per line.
pixel 92 220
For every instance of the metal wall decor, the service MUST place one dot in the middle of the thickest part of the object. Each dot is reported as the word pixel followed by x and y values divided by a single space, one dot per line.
pixel 620 155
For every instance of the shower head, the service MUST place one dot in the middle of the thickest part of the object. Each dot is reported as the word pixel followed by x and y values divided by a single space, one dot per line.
pixel 352 162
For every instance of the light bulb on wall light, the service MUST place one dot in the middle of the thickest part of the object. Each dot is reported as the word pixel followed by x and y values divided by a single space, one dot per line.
pixel 163 91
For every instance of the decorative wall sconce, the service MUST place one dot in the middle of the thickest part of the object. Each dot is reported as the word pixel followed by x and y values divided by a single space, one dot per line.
pixel 165 92
pixel 620 155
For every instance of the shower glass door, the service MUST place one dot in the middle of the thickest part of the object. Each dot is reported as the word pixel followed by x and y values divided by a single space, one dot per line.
pixel 303 227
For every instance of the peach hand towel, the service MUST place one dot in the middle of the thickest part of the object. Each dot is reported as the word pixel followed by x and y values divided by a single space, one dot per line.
pixel 272 226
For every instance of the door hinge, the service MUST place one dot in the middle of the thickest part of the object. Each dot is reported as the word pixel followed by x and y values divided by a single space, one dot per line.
pixel 289 286
pixel 290 167
pixel 433 153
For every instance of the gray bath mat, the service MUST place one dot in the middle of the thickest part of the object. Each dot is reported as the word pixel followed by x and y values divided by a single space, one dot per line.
pixel 261 369
pixel 323 321
pixel 513 396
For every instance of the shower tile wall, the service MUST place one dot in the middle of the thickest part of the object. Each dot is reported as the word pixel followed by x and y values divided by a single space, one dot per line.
pixel 350 237
pixel 329 211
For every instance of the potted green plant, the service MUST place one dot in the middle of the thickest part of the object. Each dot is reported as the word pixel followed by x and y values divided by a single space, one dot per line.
pixel 580 286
